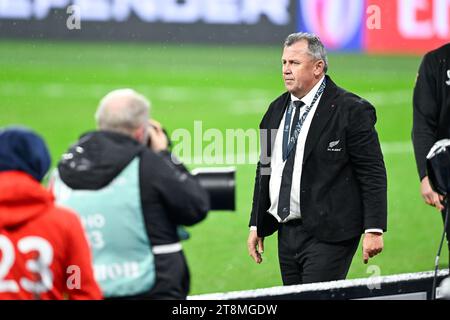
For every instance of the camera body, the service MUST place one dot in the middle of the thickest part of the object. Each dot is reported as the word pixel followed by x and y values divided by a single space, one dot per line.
pixel 438 167
pixel 220 183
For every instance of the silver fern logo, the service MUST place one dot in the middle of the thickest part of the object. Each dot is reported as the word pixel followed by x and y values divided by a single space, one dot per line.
pixel 448 75
pixel 332 146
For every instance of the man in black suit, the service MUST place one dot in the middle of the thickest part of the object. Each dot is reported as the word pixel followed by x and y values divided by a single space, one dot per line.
pixel 431 121
pixel 321 179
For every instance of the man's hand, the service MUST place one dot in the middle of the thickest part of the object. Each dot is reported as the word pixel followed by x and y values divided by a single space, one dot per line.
pixel 372 245
pixel 431 197
pixel 255 246
pixel 158 139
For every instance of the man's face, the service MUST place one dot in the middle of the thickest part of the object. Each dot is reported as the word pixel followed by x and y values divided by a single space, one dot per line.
pixel 146 134
pixel 301 71
pixel 142 134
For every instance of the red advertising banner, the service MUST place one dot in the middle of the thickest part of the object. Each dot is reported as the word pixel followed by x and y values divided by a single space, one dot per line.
pixel 408 26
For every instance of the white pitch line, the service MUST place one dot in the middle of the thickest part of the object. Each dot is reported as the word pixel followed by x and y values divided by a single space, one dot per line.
pixel 251 158
pixel 248 101
pixel 60 89
pixel 399 147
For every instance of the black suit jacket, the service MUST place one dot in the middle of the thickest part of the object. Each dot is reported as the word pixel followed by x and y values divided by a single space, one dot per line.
pixel 431 120
pixel 343 187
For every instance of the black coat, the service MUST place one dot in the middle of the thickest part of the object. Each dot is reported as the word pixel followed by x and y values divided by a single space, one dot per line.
pixel 170 196
pixel 431 104
pixel 343 188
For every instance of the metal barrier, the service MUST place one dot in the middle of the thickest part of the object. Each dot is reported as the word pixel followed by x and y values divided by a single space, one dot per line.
pixel 411 286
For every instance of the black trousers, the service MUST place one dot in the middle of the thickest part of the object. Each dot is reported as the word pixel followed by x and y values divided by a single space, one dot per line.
pixel 304 259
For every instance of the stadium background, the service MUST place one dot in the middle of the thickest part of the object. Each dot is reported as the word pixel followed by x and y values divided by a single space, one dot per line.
pixel 218 61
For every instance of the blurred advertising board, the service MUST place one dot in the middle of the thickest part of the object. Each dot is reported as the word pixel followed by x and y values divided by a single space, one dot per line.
pixel 414 26
pixel 218 21
pixel 377 26
pixel 374 26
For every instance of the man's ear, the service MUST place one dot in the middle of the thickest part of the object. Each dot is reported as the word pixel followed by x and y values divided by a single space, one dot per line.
pixel 319 67
pixel 140 134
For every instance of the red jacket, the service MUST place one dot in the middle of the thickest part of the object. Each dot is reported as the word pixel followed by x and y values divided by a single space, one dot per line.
pixel 43 250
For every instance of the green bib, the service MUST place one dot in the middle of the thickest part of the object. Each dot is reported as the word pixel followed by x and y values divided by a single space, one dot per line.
pixel 113 220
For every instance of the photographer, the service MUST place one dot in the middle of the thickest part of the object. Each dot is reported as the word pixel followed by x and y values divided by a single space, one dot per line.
pixel 431 122
pixel 131 198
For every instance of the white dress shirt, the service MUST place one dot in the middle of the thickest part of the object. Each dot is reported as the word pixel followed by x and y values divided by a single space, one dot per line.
pixel 277 164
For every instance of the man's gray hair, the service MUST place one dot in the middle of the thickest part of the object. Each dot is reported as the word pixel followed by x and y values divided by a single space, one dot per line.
pixel 122 110
pixel 316 48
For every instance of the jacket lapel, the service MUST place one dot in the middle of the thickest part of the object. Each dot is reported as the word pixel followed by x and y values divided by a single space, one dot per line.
pixel 321 117
pixel 278 112
pixel 274 120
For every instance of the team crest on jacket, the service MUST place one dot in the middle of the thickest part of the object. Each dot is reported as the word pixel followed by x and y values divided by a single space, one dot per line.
pixel 332 146
pixel 448 75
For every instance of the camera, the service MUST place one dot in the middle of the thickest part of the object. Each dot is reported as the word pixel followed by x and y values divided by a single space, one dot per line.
pixel 220 183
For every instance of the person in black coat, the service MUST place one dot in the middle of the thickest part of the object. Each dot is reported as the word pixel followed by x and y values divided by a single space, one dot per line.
pixel 132 198
pixel 321 178
pixel 431 121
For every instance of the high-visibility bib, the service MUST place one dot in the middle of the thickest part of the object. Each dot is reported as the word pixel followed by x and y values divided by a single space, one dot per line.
pixel 113 220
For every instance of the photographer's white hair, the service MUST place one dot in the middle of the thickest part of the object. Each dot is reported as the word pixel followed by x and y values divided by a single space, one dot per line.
pixel 122 110
pixel 316 48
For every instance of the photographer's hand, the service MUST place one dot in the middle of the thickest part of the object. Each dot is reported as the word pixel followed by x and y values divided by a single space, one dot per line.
pixel 158 138
pixel 431 197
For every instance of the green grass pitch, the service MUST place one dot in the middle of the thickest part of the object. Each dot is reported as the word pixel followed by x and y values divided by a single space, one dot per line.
pixel 54 88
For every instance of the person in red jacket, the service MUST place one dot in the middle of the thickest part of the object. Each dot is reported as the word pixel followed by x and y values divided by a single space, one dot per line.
pixel 43 250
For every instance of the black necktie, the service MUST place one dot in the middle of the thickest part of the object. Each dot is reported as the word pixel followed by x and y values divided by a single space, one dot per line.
pixel 284 198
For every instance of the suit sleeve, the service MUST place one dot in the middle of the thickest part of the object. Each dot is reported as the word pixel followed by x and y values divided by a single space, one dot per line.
pixel 425 114
pixel 79 264
pixel 187 203
pixel 263 163
pixel 253 214
pixel 368 164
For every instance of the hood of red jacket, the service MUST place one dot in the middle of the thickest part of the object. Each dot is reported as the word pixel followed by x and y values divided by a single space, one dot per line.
pixel 22 198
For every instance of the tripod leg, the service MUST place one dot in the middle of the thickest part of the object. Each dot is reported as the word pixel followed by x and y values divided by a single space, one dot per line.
pixel 446 226
pixel 446 223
